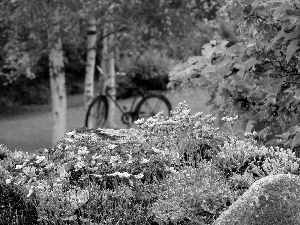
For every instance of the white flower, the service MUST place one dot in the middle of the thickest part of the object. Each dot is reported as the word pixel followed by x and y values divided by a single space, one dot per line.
pixel 111 146
pixel 8 181
pixel 31 190
pixel 77 197
pixel 156 150
pixel 19 167
pixel 139 176
pixel 144 161
pixel 97 175
pixel 50 165
pixel 124 174
pixel 71 133
pixel 171 169
pixel 140 121
pixel 83 151
pixel 79 165
pixel 94 157
pixel 114 158
pixel 129 159
pixel 40 159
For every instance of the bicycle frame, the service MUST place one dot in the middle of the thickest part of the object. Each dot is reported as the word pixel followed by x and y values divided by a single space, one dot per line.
pixel 107 95
pixel 140 93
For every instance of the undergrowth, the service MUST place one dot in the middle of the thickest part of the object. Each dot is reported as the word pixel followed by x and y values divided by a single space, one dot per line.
pixel 180 170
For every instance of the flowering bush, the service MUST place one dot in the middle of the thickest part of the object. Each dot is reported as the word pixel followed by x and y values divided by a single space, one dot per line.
pixel 244 162
pixel 193 194
pixel 182 134
pixel 15 206
pixel 137 179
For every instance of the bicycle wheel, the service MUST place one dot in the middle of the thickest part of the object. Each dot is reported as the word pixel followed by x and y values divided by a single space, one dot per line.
pixel 151 105
pixel 97 113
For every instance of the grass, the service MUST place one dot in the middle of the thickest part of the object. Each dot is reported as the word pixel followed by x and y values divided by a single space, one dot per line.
pixel 29 128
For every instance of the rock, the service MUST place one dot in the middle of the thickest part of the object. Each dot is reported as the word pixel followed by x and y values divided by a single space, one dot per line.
pixel 272 200
pixel 93 139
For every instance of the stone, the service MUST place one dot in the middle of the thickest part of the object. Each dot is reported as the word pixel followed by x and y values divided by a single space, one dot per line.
pixel 93 139
pixel 272 200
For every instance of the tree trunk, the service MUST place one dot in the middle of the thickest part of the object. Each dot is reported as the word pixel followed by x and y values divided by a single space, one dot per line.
pixel 57 81
pixel 90 66
pixel 108 65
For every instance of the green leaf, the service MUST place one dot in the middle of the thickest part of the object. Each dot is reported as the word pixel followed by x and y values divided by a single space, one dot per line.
pixel 291 49
pixel 208 69
pixel 280 11
pixel 250 63
pixel 247 2
pixel 298 67
pixel 208 51
pixel 249 126
pixel 247 10
pixel 296 140
pixel 29 171
pixel 278 36
pixel 284 136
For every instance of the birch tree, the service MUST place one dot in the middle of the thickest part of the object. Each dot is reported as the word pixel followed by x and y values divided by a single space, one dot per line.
pixel 57 79
pixel 91 59
pixel 108 65
pixel 45 21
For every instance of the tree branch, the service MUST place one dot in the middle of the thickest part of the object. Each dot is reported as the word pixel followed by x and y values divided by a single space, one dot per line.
pixel 114 32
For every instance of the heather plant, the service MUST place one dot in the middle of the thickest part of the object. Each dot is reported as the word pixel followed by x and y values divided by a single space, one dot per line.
pixel 243 162
pixel 192 195
pixel 15 206
pixel 181 134
pixel 85 173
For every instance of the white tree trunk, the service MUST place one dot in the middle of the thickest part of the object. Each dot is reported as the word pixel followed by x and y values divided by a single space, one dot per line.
pixel 57 81
pixel 108 65
pixel 91 58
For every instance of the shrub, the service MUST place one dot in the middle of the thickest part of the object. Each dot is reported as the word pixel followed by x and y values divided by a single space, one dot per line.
pixel 192 195
pixel 244 162
pixel 15 206
pixel 139 181
pixel 149 70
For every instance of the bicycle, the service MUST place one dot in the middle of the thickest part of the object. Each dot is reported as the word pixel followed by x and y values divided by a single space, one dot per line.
pixel 97 112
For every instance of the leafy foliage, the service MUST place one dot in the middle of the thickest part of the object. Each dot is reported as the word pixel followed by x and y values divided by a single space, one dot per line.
pixel 257 79
pixel 199 194
pixel 137 180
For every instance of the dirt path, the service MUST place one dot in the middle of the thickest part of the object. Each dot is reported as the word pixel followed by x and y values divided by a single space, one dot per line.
pixel 30 132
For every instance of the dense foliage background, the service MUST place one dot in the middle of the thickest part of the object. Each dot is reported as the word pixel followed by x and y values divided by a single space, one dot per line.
pixel 256 79
pixel 151 39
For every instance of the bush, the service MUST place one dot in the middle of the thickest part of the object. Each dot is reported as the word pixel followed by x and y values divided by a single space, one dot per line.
pixel 36 90
pixel 193 195
pixel 148 71
pixel 15 207
pixel 24 92
pixel 140 181
pixel 244 162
